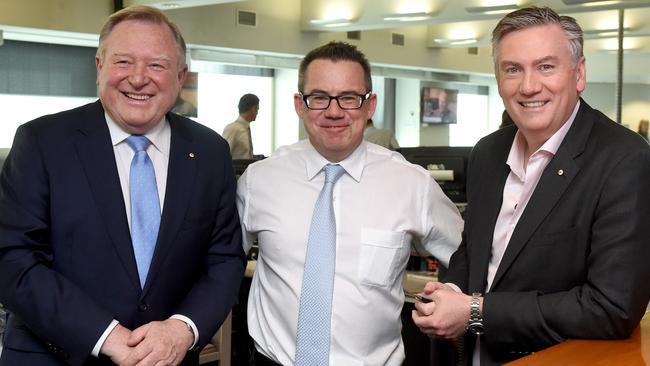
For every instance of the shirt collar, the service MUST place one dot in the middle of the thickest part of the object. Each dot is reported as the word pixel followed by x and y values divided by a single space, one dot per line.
pixel 353 164
pixel 241 120
pixel 516 156
pixel 156 135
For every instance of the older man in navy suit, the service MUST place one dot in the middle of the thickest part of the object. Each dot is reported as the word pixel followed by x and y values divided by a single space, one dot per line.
pixel 558 218
pixel 79 287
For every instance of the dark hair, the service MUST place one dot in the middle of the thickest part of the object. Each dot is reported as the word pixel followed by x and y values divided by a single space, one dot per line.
pixel 248 101
pixel 335 51
pixel 143 14
pixel 537 16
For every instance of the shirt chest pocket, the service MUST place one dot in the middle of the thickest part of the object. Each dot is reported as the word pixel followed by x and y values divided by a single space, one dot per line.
pixel 381 257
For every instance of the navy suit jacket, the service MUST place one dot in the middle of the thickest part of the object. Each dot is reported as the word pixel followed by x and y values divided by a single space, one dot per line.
pixel 576 264
pixel 67 266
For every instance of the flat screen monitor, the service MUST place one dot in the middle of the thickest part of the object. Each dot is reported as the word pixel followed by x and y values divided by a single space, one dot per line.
pixel 439 106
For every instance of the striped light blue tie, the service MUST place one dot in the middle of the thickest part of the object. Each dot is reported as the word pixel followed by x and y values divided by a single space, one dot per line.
pixel 145 206
pixel 314 316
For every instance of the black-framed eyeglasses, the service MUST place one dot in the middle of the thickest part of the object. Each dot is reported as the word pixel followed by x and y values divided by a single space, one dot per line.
pixel 347 101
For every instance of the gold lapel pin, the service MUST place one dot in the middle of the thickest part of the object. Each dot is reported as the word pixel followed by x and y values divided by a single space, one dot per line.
pixel 560 172
pixel 191 155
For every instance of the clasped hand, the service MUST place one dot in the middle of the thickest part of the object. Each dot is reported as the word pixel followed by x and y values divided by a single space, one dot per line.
pixel 446 316
pixel 156 343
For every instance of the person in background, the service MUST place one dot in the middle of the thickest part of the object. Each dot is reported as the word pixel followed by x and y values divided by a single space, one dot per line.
pixel 555 244
pixel 106 255
pixel 505 119
pixel 238 133
pixel 379 136
pixel 643 129
pixel 327 288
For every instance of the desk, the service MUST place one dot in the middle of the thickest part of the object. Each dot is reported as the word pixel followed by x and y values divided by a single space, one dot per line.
pixel 634 351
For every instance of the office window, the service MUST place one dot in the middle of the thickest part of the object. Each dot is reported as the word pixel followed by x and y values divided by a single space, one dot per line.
pixel 39 78
pixel 219 95
pixel 472 122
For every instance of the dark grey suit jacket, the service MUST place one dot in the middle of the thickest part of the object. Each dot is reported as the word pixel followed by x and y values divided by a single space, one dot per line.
pixel 66 261
pixel 576 265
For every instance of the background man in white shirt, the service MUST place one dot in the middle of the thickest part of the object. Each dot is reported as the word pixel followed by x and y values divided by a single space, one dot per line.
pixel 238 133
pixel 382 205
pixel 555 244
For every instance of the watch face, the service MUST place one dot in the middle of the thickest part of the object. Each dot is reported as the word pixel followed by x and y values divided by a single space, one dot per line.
pixel 476 328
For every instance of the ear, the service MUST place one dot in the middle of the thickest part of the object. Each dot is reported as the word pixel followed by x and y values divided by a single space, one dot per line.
pixel 98 66
pixel 371 105
pixel 298 105
pixel 182 75
pixel 581 75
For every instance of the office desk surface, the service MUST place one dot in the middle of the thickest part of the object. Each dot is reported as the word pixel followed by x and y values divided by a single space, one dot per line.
pixel 634 351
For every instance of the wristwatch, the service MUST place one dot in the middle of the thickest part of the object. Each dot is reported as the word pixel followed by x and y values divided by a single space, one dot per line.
pixel 475 323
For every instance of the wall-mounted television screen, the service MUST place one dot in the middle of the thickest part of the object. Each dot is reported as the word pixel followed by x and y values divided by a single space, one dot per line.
pixel 439 105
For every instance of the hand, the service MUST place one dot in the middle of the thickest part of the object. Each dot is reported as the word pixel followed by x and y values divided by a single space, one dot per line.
pixel 448 316
pixel 115 346
pixel 159 343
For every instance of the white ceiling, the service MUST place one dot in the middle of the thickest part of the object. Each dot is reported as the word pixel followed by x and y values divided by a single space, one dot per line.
pixel 454 19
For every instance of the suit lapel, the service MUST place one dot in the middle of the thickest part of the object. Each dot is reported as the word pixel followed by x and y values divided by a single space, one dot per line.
pixel 490 196
pixel 180 178
pixel 97 157
pixel 554 181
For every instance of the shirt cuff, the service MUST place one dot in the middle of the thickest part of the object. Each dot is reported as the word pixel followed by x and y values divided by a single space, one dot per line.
pixel 102 339
pixel 190 324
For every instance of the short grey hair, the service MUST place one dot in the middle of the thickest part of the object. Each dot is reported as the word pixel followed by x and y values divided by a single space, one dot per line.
pixel 537 16
pixel 144 14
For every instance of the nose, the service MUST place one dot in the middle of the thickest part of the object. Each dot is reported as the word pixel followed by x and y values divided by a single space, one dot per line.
pixel 530 84
pixel 138 77
pixel 334 110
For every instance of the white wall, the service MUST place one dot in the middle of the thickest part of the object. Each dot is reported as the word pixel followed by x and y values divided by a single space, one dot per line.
pixel 407 112
pixel 636 101
pixel 287 124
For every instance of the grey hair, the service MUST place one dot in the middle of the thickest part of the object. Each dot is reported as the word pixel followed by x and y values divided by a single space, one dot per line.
pixel 537 16
pixel 144 14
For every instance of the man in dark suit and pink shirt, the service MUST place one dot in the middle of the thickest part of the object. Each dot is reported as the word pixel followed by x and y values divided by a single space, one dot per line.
pixel 556 233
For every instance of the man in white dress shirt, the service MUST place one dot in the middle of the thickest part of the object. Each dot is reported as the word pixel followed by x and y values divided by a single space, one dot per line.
pixel 382 205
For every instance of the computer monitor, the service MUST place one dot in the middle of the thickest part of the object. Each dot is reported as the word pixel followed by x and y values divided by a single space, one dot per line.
pixel 452 158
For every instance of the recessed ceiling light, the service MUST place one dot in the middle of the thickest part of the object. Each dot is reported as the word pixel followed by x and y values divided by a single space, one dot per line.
pixel 455 42
pixel 407 17
pixel 170 5
pixel 591 2
pixel 499 9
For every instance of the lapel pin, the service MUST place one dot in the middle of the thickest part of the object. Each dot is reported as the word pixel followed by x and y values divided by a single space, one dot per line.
pixel 560 172
pixel 191 155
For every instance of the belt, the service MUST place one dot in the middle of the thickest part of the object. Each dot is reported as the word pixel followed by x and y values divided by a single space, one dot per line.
pixel 261 360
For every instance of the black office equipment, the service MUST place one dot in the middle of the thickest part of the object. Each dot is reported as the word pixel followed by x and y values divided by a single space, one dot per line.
pixel 452 158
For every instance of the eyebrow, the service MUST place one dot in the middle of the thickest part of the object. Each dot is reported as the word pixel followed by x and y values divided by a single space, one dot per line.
pixel 535 62
pixel 126 54
pixel 320 91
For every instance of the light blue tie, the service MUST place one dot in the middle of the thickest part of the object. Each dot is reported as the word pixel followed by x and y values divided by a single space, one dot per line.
pixel 145 206
pixel 314 316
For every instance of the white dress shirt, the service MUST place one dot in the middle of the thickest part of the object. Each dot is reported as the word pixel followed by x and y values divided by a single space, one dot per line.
pixel 382 205
pixel 158 151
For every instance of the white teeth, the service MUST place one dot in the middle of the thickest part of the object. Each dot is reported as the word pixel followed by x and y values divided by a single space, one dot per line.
pixel 138 96
pixel 533 104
